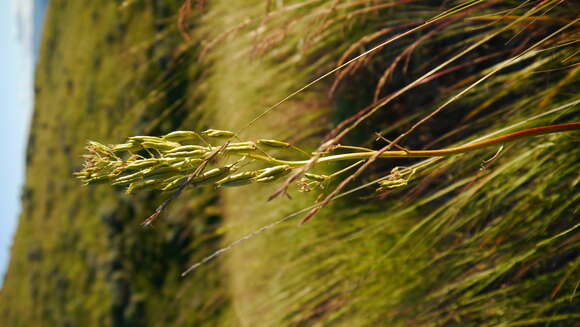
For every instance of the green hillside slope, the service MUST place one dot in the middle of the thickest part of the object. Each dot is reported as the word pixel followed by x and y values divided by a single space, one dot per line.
pixel 80 256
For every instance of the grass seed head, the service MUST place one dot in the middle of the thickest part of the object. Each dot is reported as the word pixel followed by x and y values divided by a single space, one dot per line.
pixel 187 154
pixel 188 148
pixel 163 146
pixel 179 136
pixel 273 171
pixel 273 143
pixel 216 133
pixel 237 179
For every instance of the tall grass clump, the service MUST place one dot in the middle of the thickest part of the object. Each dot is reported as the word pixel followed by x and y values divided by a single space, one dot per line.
pixel 317 96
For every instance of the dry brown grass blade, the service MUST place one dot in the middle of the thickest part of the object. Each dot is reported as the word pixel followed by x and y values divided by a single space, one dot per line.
pixel 406 53
pixel 357 45
pixel 369 161
pixel 182 19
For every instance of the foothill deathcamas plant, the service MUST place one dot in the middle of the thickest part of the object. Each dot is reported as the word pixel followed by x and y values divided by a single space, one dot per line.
pixel 183 158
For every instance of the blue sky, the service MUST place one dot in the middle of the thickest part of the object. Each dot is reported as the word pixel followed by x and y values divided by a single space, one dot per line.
pixel 15 106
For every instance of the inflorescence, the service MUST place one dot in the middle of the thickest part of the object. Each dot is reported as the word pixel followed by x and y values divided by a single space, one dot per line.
pixel 168 162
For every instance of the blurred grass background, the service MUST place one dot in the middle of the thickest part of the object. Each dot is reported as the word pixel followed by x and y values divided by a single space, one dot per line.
pixel 457 247
pixel 80 257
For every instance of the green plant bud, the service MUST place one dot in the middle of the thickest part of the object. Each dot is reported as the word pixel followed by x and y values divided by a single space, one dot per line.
pixel 236 144
pixel 142 185
pixel 128 178
pixel 187 164
pixel 160 145
pixel 241 148
pixel 212 175
pixel 273 171
pixel 174 183
pixel 218 133
pixel 81 174
pixel 315 177
pixel 266 179
pixel 392 183
pixel 131 147
pixel 100 148
pixel 188 148
pixel 143 163
pixel 169 161
pixel 187 154
pixel 141 139
pixel 178 136
pixel 97 179
pixel 237 179
pixel 160 172
pixel 273 143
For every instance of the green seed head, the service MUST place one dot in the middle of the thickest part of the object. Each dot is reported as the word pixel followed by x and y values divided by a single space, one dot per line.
pixel 215 133
pixel 187 154
pixel 179 136
pixel 160 172
pixel 212 175
pixel 140 139
pixel 174 183
pixel 131 147
pixel 266 179
pixel 143 185
pixel 237 179
pixel 143 163
pixel 127 179
pixel 273 143
pixel 187 164
pixel 165 145
pixel 275 171
pixel 315 177
pixel 391 183
pixel 188 148
pixel 100 149
pixel 241 147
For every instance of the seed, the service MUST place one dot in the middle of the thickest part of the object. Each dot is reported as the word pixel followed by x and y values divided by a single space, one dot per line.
pixel 128 178
pixel 237 179
pixel 187 154
pixel 159 145
pixel 143 163
pixel 211 175
pixel 160 172
pixel 141 185
pixel 131 147
pixel 175 183
pixel 169 161
pixel 141 139
pixel 99 148
pixel 187 164
pixel 266 179
pixel 218 133
pixel 188 148
pixel 315 177
pixel 240 148
pixel 97 179
pixel 273 171
pixel 178 136
pixel 273 143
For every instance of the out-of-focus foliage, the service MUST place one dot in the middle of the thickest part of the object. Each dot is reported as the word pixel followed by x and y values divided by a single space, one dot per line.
pixel 80 256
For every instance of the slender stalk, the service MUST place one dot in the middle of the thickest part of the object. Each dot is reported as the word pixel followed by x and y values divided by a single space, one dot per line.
pixel 430 153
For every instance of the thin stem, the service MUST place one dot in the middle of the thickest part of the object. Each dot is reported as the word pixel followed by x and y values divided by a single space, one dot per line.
pixel 429 153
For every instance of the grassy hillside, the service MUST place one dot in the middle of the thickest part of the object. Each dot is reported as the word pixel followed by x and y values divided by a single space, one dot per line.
pixel 468 242
pixel 80 256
